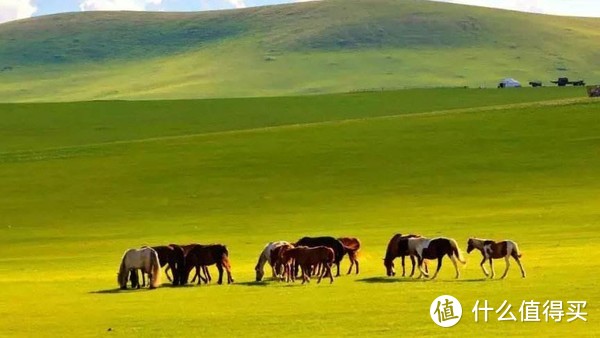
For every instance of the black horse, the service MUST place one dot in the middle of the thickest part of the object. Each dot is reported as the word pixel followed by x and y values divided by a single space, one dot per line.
pixel 330 242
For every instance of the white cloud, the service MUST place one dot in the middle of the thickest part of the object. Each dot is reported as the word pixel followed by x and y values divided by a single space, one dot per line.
pixel 16 9
pixel 117 5
pixel 237 3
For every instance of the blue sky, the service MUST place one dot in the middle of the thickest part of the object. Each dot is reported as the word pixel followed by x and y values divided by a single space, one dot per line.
pixel 18 9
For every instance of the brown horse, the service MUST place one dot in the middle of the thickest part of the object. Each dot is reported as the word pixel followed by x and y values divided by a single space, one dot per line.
pixel 277 259
pixel 207 277
pixel 398 247
pixel 351 246
pixel 496 250
pixel 330 242
pixel 173 256
pixel 436 248
pixel 205 255
pixel 307 258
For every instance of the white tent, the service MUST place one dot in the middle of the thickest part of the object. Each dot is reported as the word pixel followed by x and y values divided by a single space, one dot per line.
pixel 509 83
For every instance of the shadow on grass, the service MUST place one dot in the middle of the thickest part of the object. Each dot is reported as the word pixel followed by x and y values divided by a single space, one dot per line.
pixel 142 289
pixel 254 283
pixel 118 290
pixel 390 280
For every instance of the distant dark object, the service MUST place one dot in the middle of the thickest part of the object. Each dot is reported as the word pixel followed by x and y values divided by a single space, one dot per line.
pixel 509 83
pixel 535 83
pixel 593 91
pixel 564 81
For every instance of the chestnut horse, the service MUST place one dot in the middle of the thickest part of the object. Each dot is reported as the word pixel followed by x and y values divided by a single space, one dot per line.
pixel 145 259
pixel 351 246
pixel 496 250
pixel 205 255
pixel 265 256
pixel 330 242
pixel 171 255
pixel 306 258
pixel 277 259
pixel 436 248
pixel 398 247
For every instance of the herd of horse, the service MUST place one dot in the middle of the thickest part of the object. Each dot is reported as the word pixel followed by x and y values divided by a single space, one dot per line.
pixel 308 257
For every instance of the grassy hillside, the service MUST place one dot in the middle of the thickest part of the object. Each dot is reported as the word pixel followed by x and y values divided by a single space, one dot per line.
pixel 81 182
pixel 315 47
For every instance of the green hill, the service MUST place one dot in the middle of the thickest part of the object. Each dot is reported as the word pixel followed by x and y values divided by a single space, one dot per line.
pixel 315 47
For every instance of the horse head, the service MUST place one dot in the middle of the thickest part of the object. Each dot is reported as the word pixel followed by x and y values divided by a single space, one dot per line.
pixel 470 245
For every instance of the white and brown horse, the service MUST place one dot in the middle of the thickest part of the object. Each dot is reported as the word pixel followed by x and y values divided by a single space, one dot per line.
pixel 265 256
pixel 435 248
pixel 495 250
pixel 145 259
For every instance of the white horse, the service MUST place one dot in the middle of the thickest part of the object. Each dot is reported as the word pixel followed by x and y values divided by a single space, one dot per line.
pixel 435 248
pixel 145 259
pixel 495 250
pixel 265 256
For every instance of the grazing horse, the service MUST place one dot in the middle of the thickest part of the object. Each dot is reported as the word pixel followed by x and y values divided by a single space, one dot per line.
pixel 277 259
pixel 207 278
pixel 436 248
pixel 265 256
pixel 205 255
pixel 330 242
pixel 171 255
pixel 398 247
pixel 496 250
pixel 307 258
pixel 351 246
pixel 145 259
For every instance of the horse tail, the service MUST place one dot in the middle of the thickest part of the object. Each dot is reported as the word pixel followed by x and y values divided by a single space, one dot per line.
pixel 456 251
pixel 225 257
pixel 155 268
pixel 122 276
pixel 516 250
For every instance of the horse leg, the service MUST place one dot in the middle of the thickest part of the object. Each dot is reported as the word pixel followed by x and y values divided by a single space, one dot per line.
pixel 482 264
pixel 356 263
pixel 206 273
pixel 507 259
pixel 167 272
pixel 330 274
pixel 143 279
pixel 493 274
pixel 229 278
pixel 351 264
pixel 520 265
pixel 322 272
pixel 439 266
pixel 220 268
pixel 419 263
pixel 404 270
pixel 455 265
pixel 412 261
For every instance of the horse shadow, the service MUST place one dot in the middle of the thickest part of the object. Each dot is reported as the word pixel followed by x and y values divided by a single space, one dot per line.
pixel 391 280
pixel 118 290
pixel 254 283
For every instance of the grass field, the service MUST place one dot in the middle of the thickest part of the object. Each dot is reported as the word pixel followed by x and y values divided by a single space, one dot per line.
pixel 82 182
pixel 303 48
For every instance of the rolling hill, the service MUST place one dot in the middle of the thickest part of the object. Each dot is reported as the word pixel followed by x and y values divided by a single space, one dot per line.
pixel 304 48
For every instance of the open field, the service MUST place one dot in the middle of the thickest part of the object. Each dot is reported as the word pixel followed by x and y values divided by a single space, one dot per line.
pixel 81 182
pixel 304 48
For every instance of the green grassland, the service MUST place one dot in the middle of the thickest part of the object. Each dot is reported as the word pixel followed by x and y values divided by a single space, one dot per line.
pixel 82 182
pixel 305 48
